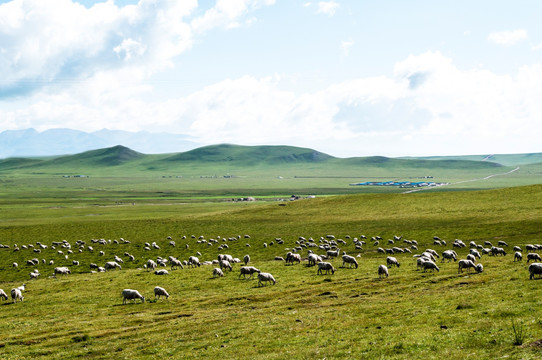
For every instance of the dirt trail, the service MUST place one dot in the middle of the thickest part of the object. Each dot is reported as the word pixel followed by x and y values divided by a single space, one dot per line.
pixel 463 181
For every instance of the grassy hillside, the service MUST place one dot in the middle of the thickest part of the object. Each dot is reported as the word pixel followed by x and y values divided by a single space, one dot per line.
pixel 350 314
pixel 503 159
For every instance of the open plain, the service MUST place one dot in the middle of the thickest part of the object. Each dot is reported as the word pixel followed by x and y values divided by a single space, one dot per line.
pixel 349 314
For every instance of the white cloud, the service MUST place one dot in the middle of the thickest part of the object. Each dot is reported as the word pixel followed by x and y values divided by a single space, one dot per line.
pixel 42 42
pixel 429 106
pixel 345 46
pixel 226 14
pixel 507 38
pixel 327 7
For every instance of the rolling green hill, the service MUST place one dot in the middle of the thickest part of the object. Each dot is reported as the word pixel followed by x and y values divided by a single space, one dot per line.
pixel 225 155
pixel 503 159
pixel 250 155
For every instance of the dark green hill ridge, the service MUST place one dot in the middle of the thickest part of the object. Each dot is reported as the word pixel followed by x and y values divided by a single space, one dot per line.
pixel 250 155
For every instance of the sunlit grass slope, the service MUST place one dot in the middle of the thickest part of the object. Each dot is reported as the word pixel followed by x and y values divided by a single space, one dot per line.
pixel 351 314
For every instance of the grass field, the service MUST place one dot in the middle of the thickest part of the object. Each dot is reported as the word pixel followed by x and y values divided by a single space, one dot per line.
pixel 351 314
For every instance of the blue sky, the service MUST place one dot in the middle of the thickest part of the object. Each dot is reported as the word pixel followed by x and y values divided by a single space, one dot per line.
pixel 350 78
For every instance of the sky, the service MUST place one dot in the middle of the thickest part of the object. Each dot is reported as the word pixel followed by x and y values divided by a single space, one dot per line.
pixel 345 77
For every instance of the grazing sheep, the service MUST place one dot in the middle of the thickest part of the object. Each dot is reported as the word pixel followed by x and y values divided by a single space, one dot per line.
pixel 129 294
pixel 16 294
pixel 151 265
pixel 471 258
pixel 161 272
pixel 193 261
pixel 475 253
pixel 159 291
pixel 428 255
pixel 264 278
pixel 291 257
pixel 325 266
pixel 479 268
pixel 218 272
pixel 225 264
pixel 3 295
pixel 501 243
pixel 518 256
pixel 313 259
pixel 15 265
pixel 62 270
pixel 382 270
pixel 248 270
pixel 111 265
pixel 430 265
pixel 497 251
pixel 175 263
pixel 449 254
pixel 517 248
pixel 350 260
pixel 535 269
pixel 333 253
pixel 34 274
pixel 390 260
pixel 246 259
pixel 432 252
pixel 465 264
pixel 533 256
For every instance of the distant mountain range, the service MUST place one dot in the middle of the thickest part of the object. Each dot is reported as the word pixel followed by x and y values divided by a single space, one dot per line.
pixel 31 143
pixel 153 151
pixel 225 158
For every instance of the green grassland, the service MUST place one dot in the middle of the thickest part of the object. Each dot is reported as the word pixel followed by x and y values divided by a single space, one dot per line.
pixel 118 174
pixel 351 314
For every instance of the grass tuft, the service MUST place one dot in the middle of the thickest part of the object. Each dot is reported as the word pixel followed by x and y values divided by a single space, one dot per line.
pixel 519 333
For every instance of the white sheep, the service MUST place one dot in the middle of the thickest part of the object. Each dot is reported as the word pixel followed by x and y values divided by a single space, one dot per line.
pixel 225 264
pixel 3 295
pixel 471 258
pixel 161 272
pixel 465 264
pixel 350 260
pixel 449 254
pixel 159 291
pixel 535 269
pixel 248 270
pixel 314 259
pixel 291 257
pixel 175 263
pixel 16 294
pixel 479 268
pixel 325 266
pixel 390 260
pixel 129 294
pixel 246 259
pixel 111 265
pixel 265 277
pixel 150 265
pixel 533 256
pixel 61 270
pixel 497 251
pixel 193 261
pixel 475 253
pixel 382 270
pixel 518 256
pixel 430 265
pixel 217 272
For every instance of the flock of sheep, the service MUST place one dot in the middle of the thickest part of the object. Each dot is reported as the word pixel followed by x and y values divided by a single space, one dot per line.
pixel 328 247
